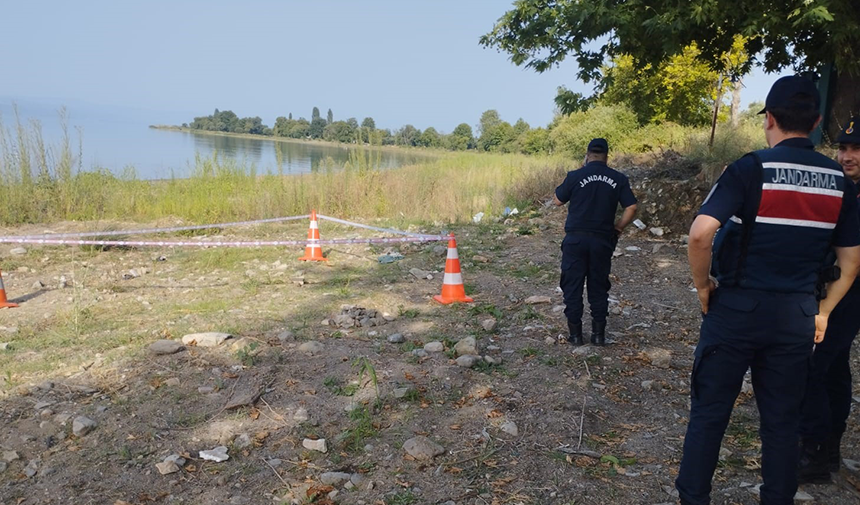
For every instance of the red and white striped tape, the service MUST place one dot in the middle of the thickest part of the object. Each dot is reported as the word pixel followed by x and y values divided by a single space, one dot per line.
pixel 77 238
pixel 218 243
pixel 174 229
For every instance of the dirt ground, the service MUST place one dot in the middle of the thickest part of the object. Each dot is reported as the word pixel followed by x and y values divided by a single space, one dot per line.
pixel 544 423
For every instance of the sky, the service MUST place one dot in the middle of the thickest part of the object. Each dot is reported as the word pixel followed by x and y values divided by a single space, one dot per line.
pixel 415 62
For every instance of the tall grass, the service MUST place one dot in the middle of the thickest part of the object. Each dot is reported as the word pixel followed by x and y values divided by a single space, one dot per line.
pixel 38 183
pixel 42 182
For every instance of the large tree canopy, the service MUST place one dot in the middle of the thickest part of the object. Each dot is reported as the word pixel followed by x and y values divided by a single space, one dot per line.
pixel 804 34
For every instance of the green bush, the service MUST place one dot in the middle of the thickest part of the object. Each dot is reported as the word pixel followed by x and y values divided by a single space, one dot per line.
pixel 613 122
pixel 655 137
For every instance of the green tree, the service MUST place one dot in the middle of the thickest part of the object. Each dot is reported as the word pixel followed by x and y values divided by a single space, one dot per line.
pixel 315 114
pixel 290 116
pixel 339 131
pixel 368 127
pixel 572 133
pixel 521 127
pixel 461 138
pixel 430 138
pixel 489 120
pixel 681 90
pixel 329 117
pixel 568 102
pixel 300 129
pixel 407 136
pixel 317 127
pixel 535 141
pixel 805 34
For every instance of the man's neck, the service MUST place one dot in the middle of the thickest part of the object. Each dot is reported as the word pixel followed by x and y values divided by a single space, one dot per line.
pixel 779 136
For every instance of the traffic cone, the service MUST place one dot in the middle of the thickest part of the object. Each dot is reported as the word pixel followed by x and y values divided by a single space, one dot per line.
pixel 313 250
pixel 452 284
pixel 3 302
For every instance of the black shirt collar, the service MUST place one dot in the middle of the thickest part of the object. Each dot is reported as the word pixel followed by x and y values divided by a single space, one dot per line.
pixel 802 142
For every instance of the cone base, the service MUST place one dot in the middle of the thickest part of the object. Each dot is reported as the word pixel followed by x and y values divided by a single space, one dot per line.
pixel 311 258
pixel 446 301
pixel 8 305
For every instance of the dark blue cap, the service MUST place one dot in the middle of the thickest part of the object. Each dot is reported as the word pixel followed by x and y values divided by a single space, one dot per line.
pixel 786 90
pixel 598 146
pixel 851 133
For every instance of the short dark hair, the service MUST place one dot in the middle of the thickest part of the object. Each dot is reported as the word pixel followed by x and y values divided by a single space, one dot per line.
pixel 798 117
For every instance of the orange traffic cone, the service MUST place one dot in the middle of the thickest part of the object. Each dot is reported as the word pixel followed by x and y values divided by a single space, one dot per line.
pixel 313 251
pixel 3 302
pixel 452 284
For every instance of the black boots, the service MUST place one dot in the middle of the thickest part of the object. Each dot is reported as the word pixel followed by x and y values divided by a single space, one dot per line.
pixel 834 458
pixel 598 333
pixel 575 329
pixel 814 465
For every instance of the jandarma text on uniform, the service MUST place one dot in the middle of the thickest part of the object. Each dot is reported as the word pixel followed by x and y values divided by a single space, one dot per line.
pixel 597 178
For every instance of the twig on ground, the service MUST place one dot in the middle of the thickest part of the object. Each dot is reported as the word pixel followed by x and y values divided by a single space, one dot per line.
pixel 579 452
pixel 278 475
pixel 581 420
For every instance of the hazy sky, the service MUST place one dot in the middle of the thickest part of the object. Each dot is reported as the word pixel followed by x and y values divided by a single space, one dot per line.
pixel 398 61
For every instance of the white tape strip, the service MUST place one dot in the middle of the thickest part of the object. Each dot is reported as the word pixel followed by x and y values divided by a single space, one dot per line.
pixel 220 243
pixel 452 279
pixel 374 228
pixel 145 231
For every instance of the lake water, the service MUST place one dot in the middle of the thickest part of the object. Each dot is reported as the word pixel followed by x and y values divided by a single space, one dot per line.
pixel 115 138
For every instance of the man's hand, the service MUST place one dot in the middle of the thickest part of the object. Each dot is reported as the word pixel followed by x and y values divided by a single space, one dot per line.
pixel 820 327
pixel 705 296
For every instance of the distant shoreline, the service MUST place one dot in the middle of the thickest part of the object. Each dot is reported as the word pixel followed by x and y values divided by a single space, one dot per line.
pixel 421 151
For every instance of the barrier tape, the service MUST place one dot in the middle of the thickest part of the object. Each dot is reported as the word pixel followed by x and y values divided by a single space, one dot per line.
pixel 220 243
pixel 372 228
pixel 159 230
pixel 69 238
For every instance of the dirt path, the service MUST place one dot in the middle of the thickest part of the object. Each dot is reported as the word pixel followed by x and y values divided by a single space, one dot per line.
pixel 542 424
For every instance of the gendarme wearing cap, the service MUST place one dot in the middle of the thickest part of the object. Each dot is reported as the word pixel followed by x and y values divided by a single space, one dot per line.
pixel 851 133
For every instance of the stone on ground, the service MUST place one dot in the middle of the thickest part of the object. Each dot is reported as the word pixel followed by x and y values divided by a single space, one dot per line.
pixel 334 478
pixel 467 361
pixel 167 467
pixel 422 448
pixel 165 346
pixel 217 454
pixel 489 324
pixel 396 338
pixel 510 428
pixel 315 445
pixel 83 425
pixel 434 347
pixel 661 358
pixel 534 300
pixel 208 339
pixel 312 347
pixel 466 346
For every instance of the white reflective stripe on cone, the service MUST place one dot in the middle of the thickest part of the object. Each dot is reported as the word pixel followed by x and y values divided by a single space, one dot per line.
pixel 453 279
pixel 452 253
pixel 312 246
pixel 1 284
pixel 314 225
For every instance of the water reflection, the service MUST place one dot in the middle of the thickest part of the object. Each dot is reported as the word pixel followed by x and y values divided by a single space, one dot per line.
pixel 286 157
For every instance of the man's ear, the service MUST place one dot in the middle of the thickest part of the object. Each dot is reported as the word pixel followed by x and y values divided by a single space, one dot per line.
pixel 769 121
pixel 817 122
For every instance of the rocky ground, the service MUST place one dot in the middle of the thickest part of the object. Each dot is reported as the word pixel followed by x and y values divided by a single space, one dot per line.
pixel 244 376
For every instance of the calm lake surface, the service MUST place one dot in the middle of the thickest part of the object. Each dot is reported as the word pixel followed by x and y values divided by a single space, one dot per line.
pixel 116 138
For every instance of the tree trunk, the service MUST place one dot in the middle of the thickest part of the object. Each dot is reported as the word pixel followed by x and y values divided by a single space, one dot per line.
pixel 844 103
pixel 716 111
pixel 736 102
